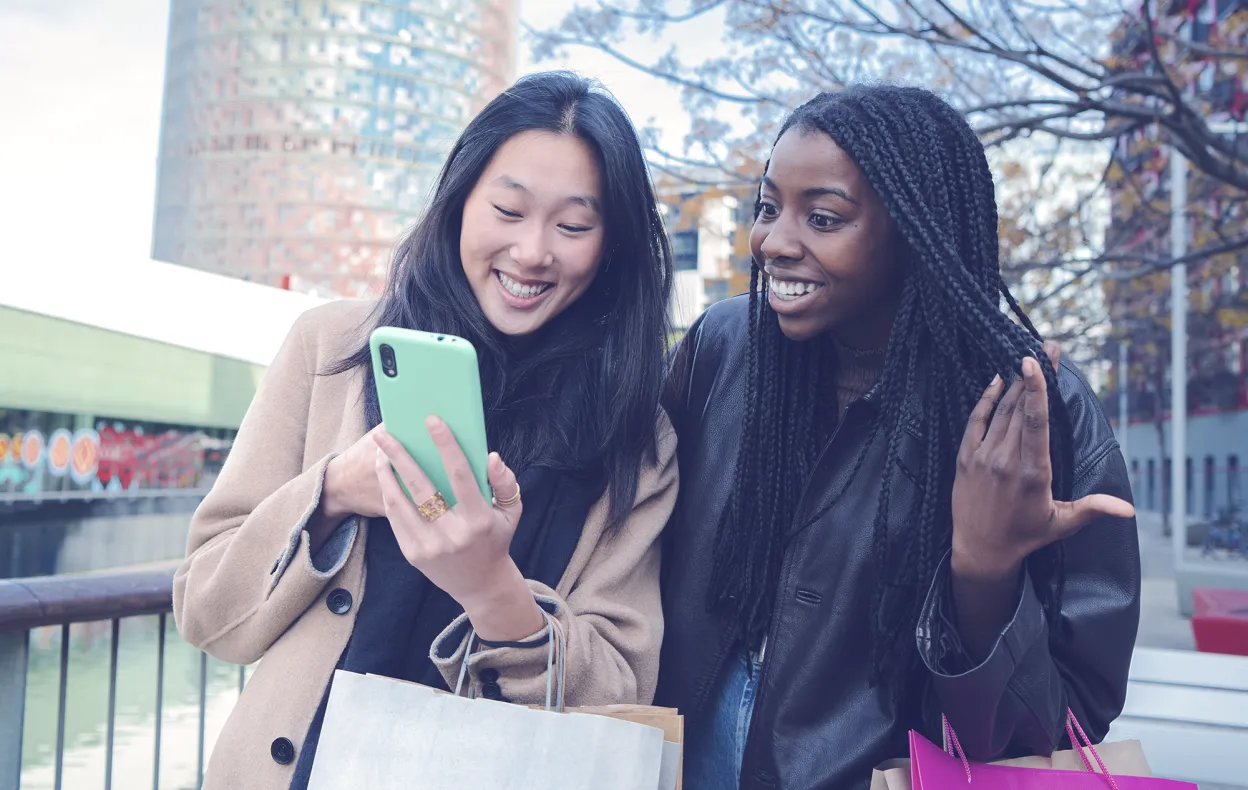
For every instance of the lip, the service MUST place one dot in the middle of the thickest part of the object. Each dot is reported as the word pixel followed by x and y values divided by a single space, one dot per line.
pixel 521 280
pixel 776 274
pixel 519 302
pixel 790 306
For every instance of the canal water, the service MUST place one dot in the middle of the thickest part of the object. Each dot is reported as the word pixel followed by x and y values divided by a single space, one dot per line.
pixel 86 714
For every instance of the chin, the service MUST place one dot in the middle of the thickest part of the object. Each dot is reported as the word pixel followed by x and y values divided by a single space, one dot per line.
pixel 799 329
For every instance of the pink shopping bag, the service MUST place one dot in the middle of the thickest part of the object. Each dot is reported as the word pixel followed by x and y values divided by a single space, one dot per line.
pixel 934 769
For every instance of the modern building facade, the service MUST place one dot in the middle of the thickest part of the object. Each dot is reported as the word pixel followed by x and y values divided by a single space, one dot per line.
pixel 299 139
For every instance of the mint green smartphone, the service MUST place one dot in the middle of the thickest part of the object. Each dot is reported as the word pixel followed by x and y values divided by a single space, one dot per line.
pixel 419 374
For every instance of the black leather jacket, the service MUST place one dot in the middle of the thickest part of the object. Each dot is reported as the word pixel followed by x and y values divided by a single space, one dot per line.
pixel 817 723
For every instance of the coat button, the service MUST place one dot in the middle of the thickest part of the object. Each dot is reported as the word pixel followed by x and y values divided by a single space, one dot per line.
pixel 283 751
pixel 488 675
pixel 338 601
pixel 492 691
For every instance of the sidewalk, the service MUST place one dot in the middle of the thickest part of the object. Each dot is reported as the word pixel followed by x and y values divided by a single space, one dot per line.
pixel 1161 625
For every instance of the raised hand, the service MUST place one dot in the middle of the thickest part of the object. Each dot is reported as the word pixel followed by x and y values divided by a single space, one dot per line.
pixel 1003 507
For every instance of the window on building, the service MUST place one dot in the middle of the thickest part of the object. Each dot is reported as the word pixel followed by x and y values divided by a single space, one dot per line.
pixel 685 250
pixel 1232 481
pixel 1210 486
pixel 1189 487
pixel 716 291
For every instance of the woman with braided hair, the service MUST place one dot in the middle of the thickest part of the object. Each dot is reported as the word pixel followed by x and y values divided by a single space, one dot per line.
pixel 924 510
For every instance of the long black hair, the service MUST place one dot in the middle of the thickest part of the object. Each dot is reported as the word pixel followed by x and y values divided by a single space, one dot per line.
pixel 581 394
pixel 949 338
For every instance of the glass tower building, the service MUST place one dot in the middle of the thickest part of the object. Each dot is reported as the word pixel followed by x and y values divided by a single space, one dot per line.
pixel 301 138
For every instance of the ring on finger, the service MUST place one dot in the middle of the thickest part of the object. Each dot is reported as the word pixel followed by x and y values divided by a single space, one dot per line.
pixel 509 501
pixel 433 508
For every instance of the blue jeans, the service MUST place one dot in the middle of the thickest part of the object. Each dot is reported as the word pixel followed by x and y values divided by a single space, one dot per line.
pixel 715 747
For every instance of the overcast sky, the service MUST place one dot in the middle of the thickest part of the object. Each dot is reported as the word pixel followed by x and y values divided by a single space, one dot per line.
pixel 80 91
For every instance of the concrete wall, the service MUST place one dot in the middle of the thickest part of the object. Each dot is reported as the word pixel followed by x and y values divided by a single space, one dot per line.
pixel 50 364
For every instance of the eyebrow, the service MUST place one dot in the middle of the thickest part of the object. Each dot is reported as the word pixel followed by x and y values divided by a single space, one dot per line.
pixel 815 192
pixel 588 201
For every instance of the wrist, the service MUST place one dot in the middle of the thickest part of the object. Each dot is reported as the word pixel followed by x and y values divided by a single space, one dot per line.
pixel 984 566
pixel 503 610
pixel 331 504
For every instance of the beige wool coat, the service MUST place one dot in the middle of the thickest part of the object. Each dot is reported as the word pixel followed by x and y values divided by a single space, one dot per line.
pixel 250 589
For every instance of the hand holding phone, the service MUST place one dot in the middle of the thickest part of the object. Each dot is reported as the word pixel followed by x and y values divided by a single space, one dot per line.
pixel 423 374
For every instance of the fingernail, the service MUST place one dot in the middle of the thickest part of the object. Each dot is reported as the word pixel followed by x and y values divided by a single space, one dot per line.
pixel 995 380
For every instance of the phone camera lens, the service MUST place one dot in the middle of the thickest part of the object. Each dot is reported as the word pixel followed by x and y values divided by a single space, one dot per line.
pixel 388 365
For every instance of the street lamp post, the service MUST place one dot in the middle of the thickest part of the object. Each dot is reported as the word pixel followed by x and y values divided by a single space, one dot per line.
pixel 1178 352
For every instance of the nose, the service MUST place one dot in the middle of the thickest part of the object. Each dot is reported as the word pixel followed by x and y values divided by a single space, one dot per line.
pixel 782 240
pixel 530 249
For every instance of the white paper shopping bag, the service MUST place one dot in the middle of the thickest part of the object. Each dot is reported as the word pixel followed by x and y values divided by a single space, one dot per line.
pixel 380 733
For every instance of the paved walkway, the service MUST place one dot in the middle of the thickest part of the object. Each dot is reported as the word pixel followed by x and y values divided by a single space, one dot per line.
pixel 1161 625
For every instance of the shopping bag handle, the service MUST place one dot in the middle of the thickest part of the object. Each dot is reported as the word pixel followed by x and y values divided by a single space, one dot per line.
pixel 556 663
pixel 1072 726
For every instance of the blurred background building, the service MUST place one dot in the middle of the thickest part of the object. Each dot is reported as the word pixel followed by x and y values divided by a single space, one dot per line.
pixel 1138 296
pixel 299 139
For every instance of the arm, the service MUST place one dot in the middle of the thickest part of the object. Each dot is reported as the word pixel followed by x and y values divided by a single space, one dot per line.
pixel 608 604
pixel 250 570
pixel 1006 684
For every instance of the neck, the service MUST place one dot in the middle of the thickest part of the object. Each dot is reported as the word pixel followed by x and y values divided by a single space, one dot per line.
pixel 857 371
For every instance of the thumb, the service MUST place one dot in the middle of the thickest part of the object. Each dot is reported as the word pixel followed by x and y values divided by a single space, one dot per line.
pixel 1070 517
pixel 503 481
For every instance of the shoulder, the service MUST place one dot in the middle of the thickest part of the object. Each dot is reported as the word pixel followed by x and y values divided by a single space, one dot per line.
pixel 1093 435
pixel 723 324
pixel 336 329
pixel 659 471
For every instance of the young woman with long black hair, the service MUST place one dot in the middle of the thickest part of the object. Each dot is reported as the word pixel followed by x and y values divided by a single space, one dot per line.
pixel 923 510
pixel 543 245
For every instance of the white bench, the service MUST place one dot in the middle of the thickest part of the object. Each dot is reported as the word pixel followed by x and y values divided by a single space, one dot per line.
pixel 1190 712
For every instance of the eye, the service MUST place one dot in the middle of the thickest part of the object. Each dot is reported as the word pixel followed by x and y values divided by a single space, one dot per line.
pixel 575 228
pixel 825 221
pixel 506 213
pixel 768 210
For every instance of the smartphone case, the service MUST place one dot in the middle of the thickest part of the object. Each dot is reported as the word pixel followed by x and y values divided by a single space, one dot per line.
pixel 436 374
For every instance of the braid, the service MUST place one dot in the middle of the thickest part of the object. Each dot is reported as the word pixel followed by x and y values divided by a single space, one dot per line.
pixel 949 338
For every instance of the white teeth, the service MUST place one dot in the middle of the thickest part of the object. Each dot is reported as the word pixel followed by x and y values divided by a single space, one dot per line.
pixel 521 291
pixel 789 290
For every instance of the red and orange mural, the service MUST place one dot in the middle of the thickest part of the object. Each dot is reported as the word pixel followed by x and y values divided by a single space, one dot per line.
pixel 115 456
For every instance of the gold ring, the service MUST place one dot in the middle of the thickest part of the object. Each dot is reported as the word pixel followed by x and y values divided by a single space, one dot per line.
pixel 509 501
pixel 432 508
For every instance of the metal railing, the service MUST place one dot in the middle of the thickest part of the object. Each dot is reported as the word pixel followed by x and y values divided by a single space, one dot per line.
pixel 59 602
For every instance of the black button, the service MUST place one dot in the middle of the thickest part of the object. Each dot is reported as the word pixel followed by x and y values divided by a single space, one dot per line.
pixel 492 691
pixel 489 675
pixel 283 751
pixel 339 601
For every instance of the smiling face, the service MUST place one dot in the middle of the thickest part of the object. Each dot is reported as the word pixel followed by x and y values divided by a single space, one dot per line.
pixel 532 233
pixel 826 244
